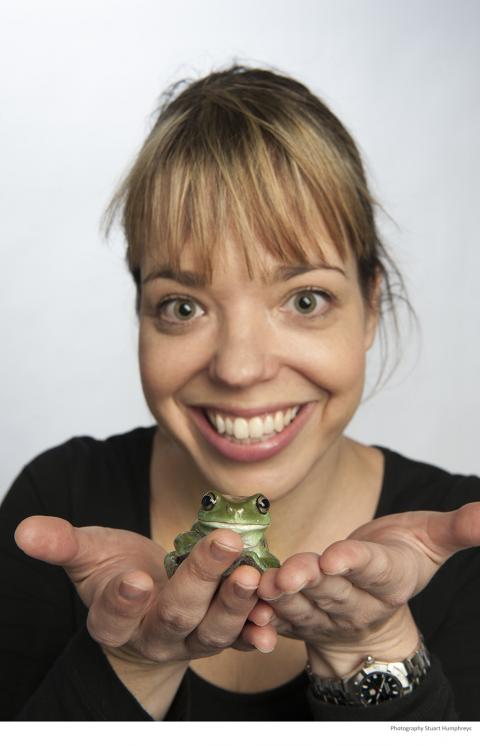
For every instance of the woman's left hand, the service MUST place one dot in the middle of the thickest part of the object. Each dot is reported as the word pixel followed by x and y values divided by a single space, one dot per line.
pixel 353 599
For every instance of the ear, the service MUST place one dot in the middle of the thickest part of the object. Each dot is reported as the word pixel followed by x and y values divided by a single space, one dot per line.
pixel 372 311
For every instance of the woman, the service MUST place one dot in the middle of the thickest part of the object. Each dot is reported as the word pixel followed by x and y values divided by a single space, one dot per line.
pixel 260 286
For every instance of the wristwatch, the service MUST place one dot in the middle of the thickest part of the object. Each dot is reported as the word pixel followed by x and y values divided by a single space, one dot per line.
pixel 374 681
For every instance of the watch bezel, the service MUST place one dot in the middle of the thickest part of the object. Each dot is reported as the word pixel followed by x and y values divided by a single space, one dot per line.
pixel 397 670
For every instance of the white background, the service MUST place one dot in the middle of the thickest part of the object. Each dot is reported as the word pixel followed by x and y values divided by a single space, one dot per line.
pixel 79 81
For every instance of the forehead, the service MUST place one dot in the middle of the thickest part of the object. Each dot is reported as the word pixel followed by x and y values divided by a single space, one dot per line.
pixel 229 258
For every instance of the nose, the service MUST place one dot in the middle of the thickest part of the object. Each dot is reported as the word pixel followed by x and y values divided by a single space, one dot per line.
pixel 246 352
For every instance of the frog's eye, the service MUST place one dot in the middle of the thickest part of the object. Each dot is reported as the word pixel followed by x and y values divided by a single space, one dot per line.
pixel 263 504
pixel 208 501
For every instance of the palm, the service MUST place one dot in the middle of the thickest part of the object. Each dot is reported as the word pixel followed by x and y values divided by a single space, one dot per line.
pixel 193 614
pixel 358 584
pixel 95 555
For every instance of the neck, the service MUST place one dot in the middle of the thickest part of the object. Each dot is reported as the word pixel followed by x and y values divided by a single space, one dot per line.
pixel 301 517
pixel 338 495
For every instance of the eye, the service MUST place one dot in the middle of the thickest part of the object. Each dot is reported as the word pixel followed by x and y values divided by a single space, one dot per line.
pixel 208 501
pixel 175 310
pixel 312 302
pixel 263 504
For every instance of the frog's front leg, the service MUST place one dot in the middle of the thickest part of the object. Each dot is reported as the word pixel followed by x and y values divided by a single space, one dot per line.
pixel 183 544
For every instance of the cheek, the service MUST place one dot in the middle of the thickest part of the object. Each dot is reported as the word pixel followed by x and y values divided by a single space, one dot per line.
pixel 164 365
pixel 335 362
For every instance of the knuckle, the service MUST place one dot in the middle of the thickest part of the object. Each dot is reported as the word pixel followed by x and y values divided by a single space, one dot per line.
pixel 153 652
pixel 174 619
pixel 201 571
pixel 397 599
pixel 301 619
pixel 211 641
pixel 352 626
pixel 102 635
pixel 229 605
pixel 340 595
pixel 383 574
pixel 329 603
pixel 233 605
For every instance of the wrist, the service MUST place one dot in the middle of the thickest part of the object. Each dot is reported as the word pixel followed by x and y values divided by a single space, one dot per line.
pixel 394 641
pixel 373 682
pixel 152 683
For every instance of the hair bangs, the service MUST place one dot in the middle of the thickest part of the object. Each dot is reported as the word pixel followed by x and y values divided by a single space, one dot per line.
pixel 257 192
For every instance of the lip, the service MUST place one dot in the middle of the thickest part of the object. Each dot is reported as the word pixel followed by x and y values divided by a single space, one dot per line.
pixel 253 451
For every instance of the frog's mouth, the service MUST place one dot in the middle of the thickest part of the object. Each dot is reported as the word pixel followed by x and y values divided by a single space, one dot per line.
pixel 238 527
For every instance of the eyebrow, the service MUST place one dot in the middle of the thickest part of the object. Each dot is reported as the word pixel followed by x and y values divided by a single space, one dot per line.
pixel 195 280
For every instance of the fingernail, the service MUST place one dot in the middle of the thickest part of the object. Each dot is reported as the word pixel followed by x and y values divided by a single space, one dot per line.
pixel 222 551
pixel 264 649
pixel 272 598
pixel 267 621
pixel 297 590
pixel 131 592
pixel 340 571
pixel 244 591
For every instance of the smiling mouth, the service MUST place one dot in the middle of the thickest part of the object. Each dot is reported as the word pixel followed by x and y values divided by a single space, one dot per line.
pixel 238 527
pixel 248 449
pixel 253 429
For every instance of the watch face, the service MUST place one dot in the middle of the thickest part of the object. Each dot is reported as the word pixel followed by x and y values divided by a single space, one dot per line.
pixel 378 687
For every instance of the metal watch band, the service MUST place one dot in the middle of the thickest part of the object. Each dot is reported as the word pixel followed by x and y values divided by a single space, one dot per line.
pixel 407 675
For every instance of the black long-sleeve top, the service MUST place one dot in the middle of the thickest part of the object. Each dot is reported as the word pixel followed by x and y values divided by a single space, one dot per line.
pixel 53 670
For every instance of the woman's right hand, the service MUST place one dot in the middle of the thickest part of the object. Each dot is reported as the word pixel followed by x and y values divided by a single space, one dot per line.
pixel 135 611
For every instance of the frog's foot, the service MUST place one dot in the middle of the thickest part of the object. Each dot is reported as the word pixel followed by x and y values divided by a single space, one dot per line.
pixel 241 561
pixel 269 560
pixel 171 561
pixel 252 559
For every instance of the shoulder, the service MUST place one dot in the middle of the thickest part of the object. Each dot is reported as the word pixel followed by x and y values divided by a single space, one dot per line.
pixel 88 480
pixel 410 484
pixel 86 452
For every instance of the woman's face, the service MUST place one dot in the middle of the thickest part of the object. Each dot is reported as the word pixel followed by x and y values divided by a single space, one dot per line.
pixel 297 340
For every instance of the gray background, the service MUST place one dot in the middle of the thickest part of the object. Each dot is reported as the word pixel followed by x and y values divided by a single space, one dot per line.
pixel 79 81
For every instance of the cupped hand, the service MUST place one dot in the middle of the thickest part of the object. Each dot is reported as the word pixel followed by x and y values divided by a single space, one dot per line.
pixel 134 609
pixel 354 596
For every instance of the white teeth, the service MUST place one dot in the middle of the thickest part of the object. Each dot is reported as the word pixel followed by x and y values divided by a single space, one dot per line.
pixel 254 428
pixel 278 422
pixel 240 428
pixel 268 425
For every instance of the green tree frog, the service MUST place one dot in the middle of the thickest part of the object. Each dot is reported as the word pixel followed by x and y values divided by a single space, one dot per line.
pixel 247 516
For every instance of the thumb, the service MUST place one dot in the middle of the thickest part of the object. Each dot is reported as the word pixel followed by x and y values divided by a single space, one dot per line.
pixel 456 529
pixel 52 540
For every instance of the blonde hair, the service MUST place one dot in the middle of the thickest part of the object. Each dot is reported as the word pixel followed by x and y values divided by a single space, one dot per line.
pixel 254 152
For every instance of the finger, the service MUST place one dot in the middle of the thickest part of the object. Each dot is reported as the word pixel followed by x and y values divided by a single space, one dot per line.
pixel 334 590
pixel 297 572
pixel 390 571
pixel 49 539
pixel 228 611
pixel 117 611
pixel 262 614
pixel 187 595
pixel 455 530
pixel 263 639
pixel 345 604
pixel 81 551
pixel 284 589
pixel 245 647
